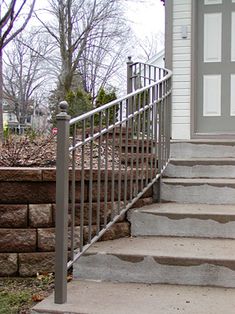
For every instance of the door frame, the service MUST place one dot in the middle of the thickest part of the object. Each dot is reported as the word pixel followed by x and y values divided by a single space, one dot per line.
pixel 193 96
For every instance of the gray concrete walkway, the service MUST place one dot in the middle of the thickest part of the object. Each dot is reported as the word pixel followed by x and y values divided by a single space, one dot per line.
pixel 87 297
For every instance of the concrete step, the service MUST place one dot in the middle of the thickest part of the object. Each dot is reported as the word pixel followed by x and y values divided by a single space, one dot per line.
pixel 198 191
pixel 170 260
pixel 203 149
pixel 183 220
pixel 201 168
pixel 121 298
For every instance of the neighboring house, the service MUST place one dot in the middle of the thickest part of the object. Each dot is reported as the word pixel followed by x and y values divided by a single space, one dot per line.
pixel 40 120
pixel 10 119
pixel 37 120
pixel 158 59
pixel 200 49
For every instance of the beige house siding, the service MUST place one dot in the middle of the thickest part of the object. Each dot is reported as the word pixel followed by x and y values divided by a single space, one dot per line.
pixel 181 66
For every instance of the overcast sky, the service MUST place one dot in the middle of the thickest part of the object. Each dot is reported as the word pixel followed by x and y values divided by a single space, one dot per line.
pixel 146 16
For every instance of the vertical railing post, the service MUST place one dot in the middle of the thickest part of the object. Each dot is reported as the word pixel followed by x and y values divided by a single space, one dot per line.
pixel 62 195
pixel 129 75
pixel 129 63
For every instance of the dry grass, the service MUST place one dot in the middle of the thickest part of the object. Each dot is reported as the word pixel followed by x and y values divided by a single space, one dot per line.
pixel 19 295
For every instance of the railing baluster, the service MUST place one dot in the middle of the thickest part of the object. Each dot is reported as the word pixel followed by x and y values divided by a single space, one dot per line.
pixel 132 148
pixel 145 75
pixel 139 82
pixel 113 164
pixel 126 152
pixel 160 140
pixel 169 114
pixel 150 74
pixel 99 176
pixel 156 130
pixel 106 168
pixel 91 180
pixel 72 224
pixel 152 119
pixel 82 186
pixel 147 144
pixel 165 125
pixel 138 142
pixel 120 159
pixel 143 141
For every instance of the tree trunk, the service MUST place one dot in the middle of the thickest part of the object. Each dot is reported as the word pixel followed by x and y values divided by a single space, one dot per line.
pixel 1 98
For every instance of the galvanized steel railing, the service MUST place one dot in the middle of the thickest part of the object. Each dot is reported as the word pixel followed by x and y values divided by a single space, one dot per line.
pixel 116 152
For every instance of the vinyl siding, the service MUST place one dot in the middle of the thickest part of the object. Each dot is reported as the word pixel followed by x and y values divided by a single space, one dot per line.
pixel 181 66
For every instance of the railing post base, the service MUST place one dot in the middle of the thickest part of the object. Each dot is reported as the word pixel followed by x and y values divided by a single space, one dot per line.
pixel 157 191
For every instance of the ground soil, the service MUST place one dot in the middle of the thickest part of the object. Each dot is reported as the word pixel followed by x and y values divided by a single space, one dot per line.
pixel 19 295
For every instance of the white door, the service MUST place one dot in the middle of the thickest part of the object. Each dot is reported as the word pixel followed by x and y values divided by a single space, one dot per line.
pixel 215 103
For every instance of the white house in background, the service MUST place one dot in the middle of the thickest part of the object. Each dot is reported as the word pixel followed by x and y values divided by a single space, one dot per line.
pixel 200 50
pixel 37 120
pixel 158 60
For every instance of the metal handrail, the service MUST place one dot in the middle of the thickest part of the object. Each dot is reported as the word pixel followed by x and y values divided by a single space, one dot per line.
pixel 130 138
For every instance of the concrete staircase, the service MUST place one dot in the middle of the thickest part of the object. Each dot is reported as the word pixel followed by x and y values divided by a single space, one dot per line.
pixel 201 172
pixel 188 241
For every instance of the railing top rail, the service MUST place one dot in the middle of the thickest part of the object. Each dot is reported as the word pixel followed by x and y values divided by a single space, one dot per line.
pixel 149 64
pixel 116 101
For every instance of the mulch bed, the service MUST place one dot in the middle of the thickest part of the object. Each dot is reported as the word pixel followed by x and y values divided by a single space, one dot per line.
pixel 21 151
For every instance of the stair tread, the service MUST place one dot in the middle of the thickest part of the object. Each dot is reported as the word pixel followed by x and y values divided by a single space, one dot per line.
pixel 93 297
pixel 169 247
pixel 221 181
pixel 189 210
pixel 203 160
pixel 205 141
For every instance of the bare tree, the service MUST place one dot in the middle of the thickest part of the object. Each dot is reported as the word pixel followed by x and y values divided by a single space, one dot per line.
pixel 24 73
pixel 103 57
pixel 149 46
pixel 86 33
pixel 11 13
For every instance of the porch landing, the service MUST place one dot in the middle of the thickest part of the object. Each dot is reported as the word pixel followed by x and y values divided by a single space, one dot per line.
pixel 90 297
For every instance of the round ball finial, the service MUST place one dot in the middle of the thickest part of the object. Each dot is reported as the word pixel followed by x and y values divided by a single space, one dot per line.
pixel 129 58
pixel 63 105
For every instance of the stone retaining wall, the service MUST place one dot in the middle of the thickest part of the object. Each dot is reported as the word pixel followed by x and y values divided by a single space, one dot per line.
pixel 27 219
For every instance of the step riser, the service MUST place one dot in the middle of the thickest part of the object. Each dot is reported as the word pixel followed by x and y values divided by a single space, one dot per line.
pixel 200 150
pixel 145 224
pixel 198 194
pixel 149 270
pixel 200 171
